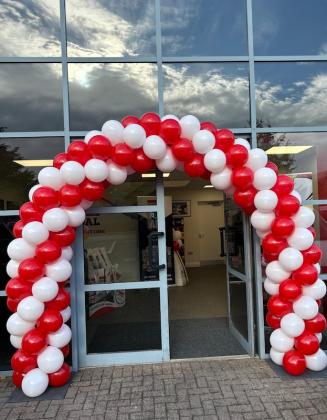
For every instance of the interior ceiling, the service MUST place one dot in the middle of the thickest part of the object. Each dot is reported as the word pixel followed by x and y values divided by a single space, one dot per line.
pixel 193 183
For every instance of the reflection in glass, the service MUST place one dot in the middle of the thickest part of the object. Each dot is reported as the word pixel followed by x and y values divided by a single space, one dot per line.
pixel 110 29
pixel 31 97
pixel 320 226
pixel 216 92
pixel 123 320
pixel 203 28
pixel 6 236
pixel 289 27
pixel 30 29
pixel 235 240
pixel 6 349
pixel 291 94
pixel 238 305
pixel 100 92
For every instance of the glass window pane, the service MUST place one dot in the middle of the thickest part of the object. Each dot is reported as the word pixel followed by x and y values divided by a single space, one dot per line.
pixel 216 92
pixel 6 349
pixel 21 160
pixel 123 320
pixel 112 28
pixel 238 305
pixel 291 94
pixel 99 92
pixel 289 27
pixel 31 97
pixel 303 157
pixel 320 226
pixel 30 28
pixel 203 28
pixel 6 236
pixel 235 240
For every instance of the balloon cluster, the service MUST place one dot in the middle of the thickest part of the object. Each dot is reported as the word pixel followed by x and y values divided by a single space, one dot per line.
pixel 177 239
pixel 39 267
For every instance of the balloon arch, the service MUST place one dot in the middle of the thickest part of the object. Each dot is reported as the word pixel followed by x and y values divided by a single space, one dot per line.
pixel 40 254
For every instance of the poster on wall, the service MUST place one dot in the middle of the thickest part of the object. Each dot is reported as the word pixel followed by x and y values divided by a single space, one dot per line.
pixel 178 224
pixel 182 208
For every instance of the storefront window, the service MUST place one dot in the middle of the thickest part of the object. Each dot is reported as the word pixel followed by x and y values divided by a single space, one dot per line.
pixel 6 349
pixel 6 236
pixel 238 305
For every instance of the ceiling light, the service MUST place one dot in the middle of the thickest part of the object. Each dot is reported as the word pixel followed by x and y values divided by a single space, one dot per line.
pixel 165 175
pixel 287 150
pixel 208 186
pixel 46 162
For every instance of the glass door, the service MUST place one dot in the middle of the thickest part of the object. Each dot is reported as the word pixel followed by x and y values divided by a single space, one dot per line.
pixel 239 276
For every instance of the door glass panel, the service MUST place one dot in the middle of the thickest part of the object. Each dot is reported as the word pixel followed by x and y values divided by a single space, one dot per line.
pixel 238 305
pixel 235 240
pixel 6 226
pixel 6 349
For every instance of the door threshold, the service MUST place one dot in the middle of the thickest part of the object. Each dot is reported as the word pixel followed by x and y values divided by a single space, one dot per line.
pixel 213 358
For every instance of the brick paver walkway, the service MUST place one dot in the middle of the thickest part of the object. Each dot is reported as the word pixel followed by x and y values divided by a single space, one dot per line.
pixel 211 389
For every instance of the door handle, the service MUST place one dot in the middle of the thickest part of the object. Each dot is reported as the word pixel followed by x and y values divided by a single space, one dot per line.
pixel 222 242
pixel 151 263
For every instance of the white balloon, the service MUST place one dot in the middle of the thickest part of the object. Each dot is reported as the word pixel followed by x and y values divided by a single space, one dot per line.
pixel 262 233
pixel 301 239
pixel 280 341
pixel 66 253
pixel 319 336
pixel 18 326
pixel 257 159
pixel 317 267
pixel 50 360
pixel 72 172
pixel 305 307
pixel 317 290
pixel 215 160
pixel 264 179
pixel 276 272
pixel 61 337
pixel 271 287
pixel 265 200
pixel 276 356
pixel 190 126
pixel 51 177
pixel 134 136
pixel 116 174
pixel 168 162
pixel 261 220
pixel 86 204
pixel 180 166
pixel 176 235
pixel 76 215
pixel 292 325
pixel 59 270
pixel 154 147
pixel 113 130
pixel 45 289
pixel 12 268
pixel 180 243
pixel 96 170
pixel 203 141
pixel 34 233
pixel 91 134
pixel 230 190
pixel 130 170
pixel 66 314
pixel 304 218
pixel 297 195
pixel 222 179
pixel 32 190
pixel 291 259
pixel 170 117
pixel 317 361
pixel 244 143
pixel 30 309
pixel 35 382
pixel 20 250
pixel 16 341
pixel 55 219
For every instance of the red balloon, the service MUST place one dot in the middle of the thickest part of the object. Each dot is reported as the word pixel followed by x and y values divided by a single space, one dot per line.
pixel 183 149
pixel 170 131
pixel 70 195
pixel 279 306
pixel 307 343
pixel 31 270
pixel 269 257
pixel 294 362
pixel 272 166
pixel 307 274
pixel 130 120
pixel 316 325
pixel 64 238
pixel 18 288
pixel 208 126
pixel 65 350
pixel 237 155
pixel 313 232
pixel 249 210
pixel 151 123
pixel 273 245
pixel 273 321
pixel 62 284
pixel 224 139
pixel 284 185
pixel 282 226
pixel 318 302
pixel 12 305
pixel 23 362
pixel 60 302
pixel 50 321
pixel 48 251
pixel 34 341
pixel 17 378
pixel 59 160
pixel 106 184
pixel 176 246
pixel 17 229
pixel 141 162
pixel 287 205
pixel 290 290
pixel 194 167
pixel 245 198
pixel 79 151
pixel 100 147
pixel 29 212
pixel 92 191
pixel 60 377
pixel 312 255
pixel 122 154
pixel 45 198
pixel 206 175
pixel 242 178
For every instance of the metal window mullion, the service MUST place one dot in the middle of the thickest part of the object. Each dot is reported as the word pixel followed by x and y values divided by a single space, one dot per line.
pixel 290 129
pixel 277 58
pixel 29 134
pixel 205 59
pixel 132 285
pixel 159 59
pixel 9 213
pixel 120 210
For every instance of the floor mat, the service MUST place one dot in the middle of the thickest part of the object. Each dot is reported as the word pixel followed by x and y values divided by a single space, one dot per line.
pixel 284 376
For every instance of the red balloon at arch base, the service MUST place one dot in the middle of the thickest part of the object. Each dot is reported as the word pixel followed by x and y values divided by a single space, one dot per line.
pixel 12 304
pixel 31 269
pixel 34 341
pixel 273 245
pixel 18 228
pixel 294 362
pixel 60 302
pixel 290 289
pixel 17 378
pixel 317 324
pixel 23 362
pixel 307 274
pixel 50 321
pixel 273 321
pixel 283 226
pixel 279 306
pixel 307 343
pixel 18 288
pixel 60 377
